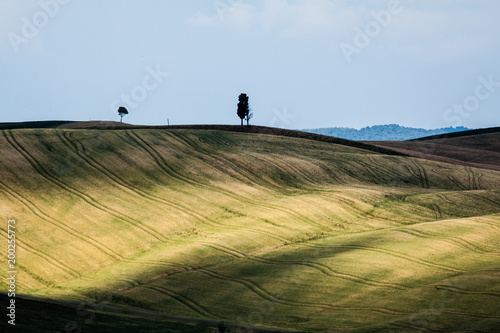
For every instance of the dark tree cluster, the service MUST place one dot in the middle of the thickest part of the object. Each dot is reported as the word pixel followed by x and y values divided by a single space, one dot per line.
pixel 244 111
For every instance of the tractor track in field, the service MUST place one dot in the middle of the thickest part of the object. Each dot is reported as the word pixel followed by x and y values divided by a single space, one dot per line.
pixel 422 173
pixel 466 292
pixel 44 256
pixel 388 252
pixel 162 164
pixel 488 200
pixel 196 147
pixel 260 291
pixel 184 209
pixel 194 306
pixel 119 181
pixel 452 240
pixel 251 177
pixel 324 269
pixel 38 212
pixel 471 314
pixel 287 164
pixel 86 198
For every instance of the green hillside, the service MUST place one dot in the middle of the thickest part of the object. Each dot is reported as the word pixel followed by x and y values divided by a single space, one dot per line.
pixel 253 229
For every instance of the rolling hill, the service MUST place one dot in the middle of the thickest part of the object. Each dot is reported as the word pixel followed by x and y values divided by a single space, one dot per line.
pixel 476 148
pixel 255 229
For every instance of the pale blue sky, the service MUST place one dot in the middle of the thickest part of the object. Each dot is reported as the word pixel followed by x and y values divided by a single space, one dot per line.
pixel 303 63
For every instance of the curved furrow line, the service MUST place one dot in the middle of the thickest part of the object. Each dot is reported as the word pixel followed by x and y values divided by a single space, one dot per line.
pixel 463 291
pixel 229 249
pixel 494 226
pixel 194 306
pixel 404 327
pixel 326 270
pixel 488 200
pixel 289 165
pixel 187 210
pixel 470 178
pixel 295 214
pixel 124 184
pixel 437 209
pixel 453 240
pixel 414 173
pixel 422 173
pixel 131 282
pixel 382 167
pixel 252 178
pixel 470 314
pixel 150 262
pixel 58 224
pixel 479 177
pixel 194 152
pixel 467 245
pixel 162 164
pixel 413 232
pixel 330 173
pixel 458 183
pixel 369 168
pixel 265 233
pixel 445 199
pixel 255 288
pixel 25 286
pixel 473 179
pixel 34 276
pixel 359 212
pixel 88 199
pixel 221 249
pixel 258 290
pixel 54 262
pixel 388 252
pixel 156 156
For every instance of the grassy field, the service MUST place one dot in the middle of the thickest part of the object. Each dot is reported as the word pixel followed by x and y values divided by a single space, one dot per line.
pixel 252 229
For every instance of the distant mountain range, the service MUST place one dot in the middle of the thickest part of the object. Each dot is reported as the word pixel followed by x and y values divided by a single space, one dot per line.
pixel 383 132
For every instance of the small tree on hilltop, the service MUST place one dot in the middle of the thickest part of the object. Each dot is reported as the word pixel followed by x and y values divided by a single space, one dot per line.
pixel 243 108
pixel 122 112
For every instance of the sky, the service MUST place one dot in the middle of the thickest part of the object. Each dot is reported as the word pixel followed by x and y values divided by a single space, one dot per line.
pixel 303 63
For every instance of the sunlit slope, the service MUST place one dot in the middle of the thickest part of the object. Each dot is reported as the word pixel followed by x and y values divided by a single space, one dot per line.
pixel 268 230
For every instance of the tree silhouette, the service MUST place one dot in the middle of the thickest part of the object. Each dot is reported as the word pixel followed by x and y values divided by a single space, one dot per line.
pixel 243 108
pixel 122 112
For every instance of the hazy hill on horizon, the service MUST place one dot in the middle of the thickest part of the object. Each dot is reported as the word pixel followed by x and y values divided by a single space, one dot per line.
pixel 392 132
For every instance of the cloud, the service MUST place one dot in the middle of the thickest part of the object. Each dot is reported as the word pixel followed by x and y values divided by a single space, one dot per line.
pixel 286 18
pixel 431 30
pixel 308 17
pixel 228 13
pixel 446 33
